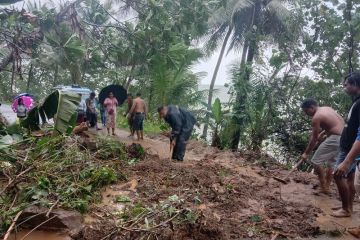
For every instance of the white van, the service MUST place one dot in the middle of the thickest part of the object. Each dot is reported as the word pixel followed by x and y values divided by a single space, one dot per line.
pixel 85 92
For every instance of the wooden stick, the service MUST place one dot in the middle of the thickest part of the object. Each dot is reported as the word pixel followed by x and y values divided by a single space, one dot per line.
pixel 171 151
pixel 111 233
pixel 38 227
pixel 169 220
pixel 52 207
pixel 8 232
pixel 275 236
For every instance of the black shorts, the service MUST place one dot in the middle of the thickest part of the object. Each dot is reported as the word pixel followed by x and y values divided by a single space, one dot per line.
pixel 138 122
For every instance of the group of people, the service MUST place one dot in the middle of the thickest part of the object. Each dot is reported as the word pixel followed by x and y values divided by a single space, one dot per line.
pixel 339 146
pixel 180 120
pixel 87 112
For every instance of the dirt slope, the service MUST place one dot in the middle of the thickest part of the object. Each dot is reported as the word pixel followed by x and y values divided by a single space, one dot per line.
pixel 234 198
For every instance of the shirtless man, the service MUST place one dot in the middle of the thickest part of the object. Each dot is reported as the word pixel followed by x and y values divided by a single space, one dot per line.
pixel 139 111
pixel 331 123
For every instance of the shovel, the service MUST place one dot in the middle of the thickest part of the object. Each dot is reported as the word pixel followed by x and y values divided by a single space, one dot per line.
pixel 284 180
pixel 171 151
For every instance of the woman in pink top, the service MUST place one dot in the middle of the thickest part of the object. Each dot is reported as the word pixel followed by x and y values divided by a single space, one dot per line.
pixel 110 105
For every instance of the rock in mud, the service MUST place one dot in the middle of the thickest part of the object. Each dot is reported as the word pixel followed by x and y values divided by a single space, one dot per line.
pixel 68 221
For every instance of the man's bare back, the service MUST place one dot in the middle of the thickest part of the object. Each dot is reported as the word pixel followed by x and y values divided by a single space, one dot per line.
pixel 329 120
pixel 138 106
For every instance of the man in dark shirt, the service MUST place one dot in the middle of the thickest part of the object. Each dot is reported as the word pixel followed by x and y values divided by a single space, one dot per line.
pixel 344 173
pixel 182 124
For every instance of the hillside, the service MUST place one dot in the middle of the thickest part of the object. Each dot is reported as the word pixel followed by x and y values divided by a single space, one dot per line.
pixel 211 195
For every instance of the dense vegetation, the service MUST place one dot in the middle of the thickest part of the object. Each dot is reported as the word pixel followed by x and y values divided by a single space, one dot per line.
pixel 288 50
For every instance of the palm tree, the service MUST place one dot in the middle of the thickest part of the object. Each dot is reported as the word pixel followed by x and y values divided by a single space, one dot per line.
pixel 271 18
pixel 221 23
pixel 248 20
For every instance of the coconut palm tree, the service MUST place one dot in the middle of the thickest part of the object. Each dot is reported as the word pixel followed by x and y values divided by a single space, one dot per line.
pixel 239 24
pixel 222 29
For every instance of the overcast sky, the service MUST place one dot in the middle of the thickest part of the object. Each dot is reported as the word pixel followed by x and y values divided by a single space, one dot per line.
pixel 206 65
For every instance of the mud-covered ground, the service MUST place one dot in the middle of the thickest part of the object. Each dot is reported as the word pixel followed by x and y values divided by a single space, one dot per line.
pixel 234 196
pixel 213 194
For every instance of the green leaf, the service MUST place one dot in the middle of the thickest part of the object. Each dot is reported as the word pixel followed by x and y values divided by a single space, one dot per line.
pixel 61 106
pixel 216 110
pixel 5 142
pixel 122 199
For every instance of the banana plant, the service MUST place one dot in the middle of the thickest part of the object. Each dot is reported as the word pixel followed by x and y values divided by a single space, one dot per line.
pixel 219 116
pixel 60 106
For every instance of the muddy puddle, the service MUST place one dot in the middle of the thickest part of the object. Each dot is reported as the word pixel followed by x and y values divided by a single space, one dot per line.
pixel 39 235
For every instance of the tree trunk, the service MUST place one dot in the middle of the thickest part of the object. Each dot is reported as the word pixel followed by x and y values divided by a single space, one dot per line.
pixel 30 78
pixel 76 75
pixel 241 96
pixel 348 18
pixel 244 53
pixel 13 73
pixel 212 84
pixel 56 75
pixel 130 78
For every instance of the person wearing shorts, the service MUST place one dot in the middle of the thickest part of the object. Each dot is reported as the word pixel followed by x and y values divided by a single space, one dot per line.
pixel 344 172
pixel 139 111
pixel 138 121
pixel 332 124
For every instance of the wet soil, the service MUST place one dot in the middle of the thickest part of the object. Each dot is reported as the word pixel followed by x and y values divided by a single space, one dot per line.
pixel 233 195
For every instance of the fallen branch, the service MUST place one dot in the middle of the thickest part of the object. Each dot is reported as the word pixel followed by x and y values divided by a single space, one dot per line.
pixel 275 236
pixel 13 202
pixel 108 235
pixel 8 232
pixel 16 177
pixel 51 208
pixel 167 221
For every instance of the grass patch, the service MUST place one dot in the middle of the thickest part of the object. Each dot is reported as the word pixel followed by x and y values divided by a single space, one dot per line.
pixel 152 125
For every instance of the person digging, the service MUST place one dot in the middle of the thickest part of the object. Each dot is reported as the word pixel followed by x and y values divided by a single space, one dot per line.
pixel 182 124
pixel 332 124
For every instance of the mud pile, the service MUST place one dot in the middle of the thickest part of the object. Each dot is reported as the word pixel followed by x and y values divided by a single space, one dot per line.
pixel 228 197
